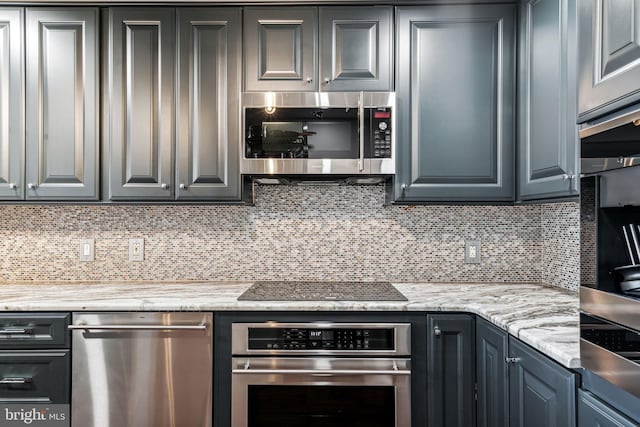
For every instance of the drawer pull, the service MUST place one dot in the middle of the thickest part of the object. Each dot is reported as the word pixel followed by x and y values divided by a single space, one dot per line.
pixel 16 331
pixel 16 380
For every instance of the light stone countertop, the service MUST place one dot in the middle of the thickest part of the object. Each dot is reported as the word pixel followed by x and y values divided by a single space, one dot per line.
pixel 544 317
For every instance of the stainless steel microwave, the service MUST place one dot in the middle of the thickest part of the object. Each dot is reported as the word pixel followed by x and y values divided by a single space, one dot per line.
pixel 307 133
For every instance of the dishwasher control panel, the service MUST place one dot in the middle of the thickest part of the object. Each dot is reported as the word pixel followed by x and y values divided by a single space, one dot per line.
pixel 321 337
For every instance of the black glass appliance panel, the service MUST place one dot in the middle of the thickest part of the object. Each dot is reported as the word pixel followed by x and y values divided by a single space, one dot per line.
pixel 316 133
pixel 320 339
pixel 617 339
pixel 325 406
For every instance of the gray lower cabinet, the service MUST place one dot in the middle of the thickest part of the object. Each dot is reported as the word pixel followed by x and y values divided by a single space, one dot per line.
pixel 356 48
pixel 542 392
pixel 492 375
pixel 139 103
pixel 209 79
pixel 455 87
pixel 609 56
pixel 280 48
pixel 11 104
pixel 144 159
pixel 548 134
pixel 450 370
pixel 592 412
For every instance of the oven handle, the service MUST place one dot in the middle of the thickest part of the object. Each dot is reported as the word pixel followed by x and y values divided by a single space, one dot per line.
pixel 322 372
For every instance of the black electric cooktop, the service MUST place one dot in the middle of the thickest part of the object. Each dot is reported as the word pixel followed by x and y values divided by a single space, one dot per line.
pixel 321 291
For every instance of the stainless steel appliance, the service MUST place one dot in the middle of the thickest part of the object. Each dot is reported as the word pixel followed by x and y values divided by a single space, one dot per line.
pixel 320 374
pixel 610 258
pixel 142 369
pixel 327 133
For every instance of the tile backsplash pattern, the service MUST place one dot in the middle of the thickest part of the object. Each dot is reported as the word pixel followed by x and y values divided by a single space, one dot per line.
pixel 561 245
pixel 304 233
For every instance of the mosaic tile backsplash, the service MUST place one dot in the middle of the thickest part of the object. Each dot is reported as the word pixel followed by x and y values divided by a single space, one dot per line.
pixel 302 233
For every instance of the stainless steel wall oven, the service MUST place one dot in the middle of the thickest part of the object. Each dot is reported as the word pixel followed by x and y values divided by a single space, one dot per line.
pixel 321 374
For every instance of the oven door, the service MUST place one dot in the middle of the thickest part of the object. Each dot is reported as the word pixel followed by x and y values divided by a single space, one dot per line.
pixel 321 391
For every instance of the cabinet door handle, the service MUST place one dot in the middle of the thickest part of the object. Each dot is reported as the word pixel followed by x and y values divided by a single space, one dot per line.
pixel 436 331
pixel 183 186
pixel 164 186
pixel 512 359
pixel 16 331
pixel 309 79
pixel 16 380
pixel 12 186
pixel 32 186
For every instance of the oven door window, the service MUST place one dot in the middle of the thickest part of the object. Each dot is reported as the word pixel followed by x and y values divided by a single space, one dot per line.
pixel 302 133
pixel 321 406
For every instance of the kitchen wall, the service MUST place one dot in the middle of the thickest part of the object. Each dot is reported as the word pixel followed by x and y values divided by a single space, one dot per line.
pixel 313 233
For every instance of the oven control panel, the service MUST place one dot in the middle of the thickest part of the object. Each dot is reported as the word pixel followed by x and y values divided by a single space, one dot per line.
pixel 351 339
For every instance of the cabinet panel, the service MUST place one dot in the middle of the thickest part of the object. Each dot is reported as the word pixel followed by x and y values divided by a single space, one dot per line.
pixel 208 88
pixel 62 104
pixel 37 376
pixel 548 133
pixel 609 59
pixel 356 48
pixel 456 94
pixel 542 393
pixel 492 375
pixel 11 104
pixel 280 48
pixel 594 413
pixel 141 103
pixel 450 370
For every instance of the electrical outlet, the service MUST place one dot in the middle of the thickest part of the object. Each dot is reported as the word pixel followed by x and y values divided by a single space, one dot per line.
pixel 472 252
pixel 87 249
pixel 136 249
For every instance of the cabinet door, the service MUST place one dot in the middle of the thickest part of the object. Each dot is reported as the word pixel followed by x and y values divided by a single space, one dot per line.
pixel 450 370
pixel 492 374
pixel 280 48
pixel 542 392
pixel 139 105
pixel 356 50
pixel 209 70
pixel 548 131
pixel 11 104
pixel 456 85
pixel 594 413
pixel 62 104
pixel 41 376
pixel 609 56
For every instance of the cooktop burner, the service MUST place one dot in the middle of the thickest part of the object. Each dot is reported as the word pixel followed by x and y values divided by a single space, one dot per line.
pixel 322 291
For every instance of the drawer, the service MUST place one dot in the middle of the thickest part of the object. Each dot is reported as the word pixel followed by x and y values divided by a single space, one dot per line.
pixel 34 330
pixel 35 376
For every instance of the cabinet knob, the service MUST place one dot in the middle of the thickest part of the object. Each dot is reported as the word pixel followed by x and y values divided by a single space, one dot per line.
pixel 12 186
pixel 436 331
pixel 164 186
pixel 183 186
pixel 32 186
pixel 512 359
pixel 327 80
pixel 567 176
pixel 309 79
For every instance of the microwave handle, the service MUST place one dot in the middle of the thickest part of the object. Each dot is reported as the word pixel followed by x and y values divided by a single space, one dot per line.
pixel 361 130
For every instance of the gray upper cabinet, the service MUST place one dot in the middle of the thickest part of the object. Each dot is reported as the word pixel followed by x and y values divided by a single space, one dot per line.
pixel 542 392
pixel 455 84
pixel 11 104
pixel 209 78
pixel 280 48
pixel 548 134
pixel 356 48
pixel 609 56
pixel 139 103
pixel 62 104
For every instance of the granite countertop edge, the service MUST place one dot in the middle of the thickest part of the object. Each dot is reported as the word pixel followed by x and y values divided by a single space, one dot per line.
pixel 546 318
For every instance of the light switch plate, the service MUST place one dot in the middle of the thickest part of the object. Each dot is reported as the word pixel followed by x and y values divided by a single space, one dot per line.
pixel 87 249
pixel 136 249
pixel 472 252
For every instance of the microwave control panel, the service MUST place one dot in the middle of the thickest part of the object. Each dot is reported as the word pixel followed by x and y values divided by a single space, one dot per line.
pixel 320 339
pixel 381 128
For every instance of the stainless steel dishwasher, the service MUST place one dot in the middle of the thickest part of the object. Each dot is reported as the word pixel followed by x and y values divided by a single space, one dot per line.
pixel 142 370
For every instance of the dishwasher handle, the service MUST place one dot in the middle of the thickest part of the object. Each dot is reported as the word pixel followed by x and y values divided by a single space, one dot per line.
pixel 322 372
pixel 199 327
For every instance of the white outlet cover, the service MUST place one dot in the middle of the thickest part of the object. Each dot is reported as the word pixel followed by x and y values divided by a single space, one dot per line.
pixel 136 249
pixel 472 252
pixel 87 249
